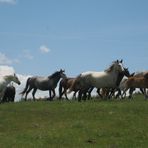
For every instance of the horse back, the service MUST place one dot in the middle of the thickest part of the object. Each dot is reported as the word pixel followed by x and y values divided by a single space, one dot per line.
pixel 137 82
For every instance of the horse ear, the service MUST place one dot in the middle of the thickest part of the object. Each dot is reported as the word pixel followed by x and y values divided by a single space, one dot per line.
pixel 132 74
pixel 121 61
pixel 117 61
pixel 62 70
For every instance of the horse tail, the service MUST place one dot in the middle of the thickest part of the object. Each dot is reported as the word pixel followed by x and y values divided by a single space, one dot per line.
pixel 26 87
pixel 60 89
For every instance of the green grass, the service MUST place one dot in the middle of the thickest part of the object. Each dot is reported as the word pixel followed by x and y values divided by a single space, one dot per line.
pixel 94 123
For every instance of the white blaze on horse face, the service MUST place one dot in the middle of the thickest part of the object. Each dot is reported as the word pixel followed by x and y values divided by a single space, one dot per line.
pixel 122 68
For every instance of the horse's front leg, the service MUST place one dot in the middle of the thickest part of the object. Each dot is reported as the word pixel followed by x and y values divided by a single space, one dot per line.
pixel 124 93
pixel 49 95
pixel 144 92
pixel 53 94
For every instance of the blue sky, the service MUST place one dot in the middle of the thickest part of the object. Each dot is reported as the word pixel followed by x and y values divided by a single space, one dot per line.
pixel 38 37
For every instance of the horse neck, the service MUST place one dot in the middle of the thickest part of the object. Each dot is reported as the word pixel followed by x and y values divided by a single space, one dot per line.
pixel 56 79
pixel 119 78
pixel 115 75
pixel 8 79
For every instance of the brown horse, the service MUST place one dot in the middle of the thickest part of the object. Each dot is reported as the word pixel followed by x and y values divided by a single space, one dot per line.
pixel 137 82
pixel 64 85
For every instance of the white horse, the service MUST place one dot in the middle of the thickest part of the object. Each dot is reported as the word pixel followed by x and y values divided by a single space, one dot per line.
pixel 104 79
pixel 5 80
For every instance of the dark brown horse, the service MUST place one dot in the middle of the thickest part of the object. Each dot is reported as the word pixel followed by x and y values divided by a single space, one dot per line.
pixel 64 85
pixel 43 83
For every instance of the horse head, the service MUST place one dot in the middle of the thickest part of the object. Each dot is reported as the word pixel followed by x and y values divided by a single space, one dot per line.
pixel 126 72
pixel 15 79
pixel 118 66
pixel 62 73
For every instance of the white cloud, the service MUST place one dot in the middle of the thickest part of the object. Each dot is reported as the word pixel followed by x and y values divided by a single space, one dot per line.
pixel 4 60
pixel 12 2
pixel 6 70
pixel 44 49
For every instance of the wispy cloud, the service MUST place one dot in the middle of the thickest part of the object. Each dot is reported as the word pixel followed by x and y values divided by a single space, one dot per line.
pixel 11 2
pixel 44 49
pixel 4 60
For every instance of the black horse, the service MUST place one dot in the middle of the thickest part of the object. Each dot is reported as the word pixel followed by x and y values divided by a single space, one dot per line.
pixel 9 94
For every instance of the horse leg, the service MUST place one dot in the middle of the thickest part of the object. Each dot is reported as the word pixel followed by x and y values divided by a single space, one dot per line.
pixel 74 95
pixel 124 93
pixel 61 94
pixel 98 91
pixel 110 93
pixel 89 92
pixel 84 92
pixel 143 90
pixel 118 93
pixel 33 93
pixel 30 88
pixel 49 95
pixel 131 92
pixel 53 94
pixel 79 95
pixel 66 94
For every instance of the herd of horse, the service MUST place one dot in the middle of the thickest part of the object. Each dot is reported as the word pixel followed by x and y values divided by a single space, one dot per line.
pixel 113 81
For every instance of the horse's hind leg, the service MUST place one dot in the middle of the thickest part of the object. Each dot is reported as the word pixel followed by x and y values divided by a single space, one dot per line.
pixel 33 93
pixel 131 92
pixel 30 88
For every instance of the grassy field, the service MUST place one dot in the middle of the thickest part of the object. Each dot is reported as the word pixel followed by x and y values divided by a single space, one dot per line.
pixel 95 123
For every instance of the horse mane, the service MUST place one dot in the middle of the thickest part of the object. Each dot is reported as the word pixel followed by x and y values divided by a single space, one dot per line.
pixel 54 74
pixel 110 68
pixel 8 76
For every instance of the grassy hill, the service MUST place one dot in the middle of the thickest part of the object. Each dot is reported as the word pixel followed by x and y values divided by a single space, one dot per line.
pixel 94 123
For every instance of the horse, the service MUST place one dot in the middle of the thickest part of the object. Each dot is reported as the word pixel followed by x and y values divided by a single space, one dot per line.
pixel 5 80
pixel 64 85
pixel 103 79
pixel 122 84
pixel 136 81
pixel 9 94
pixel 43 83
pixel 109 92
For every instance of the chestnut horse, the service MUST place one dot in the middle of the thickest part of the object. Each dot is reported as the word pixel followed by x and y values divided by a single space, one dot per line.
pixel 136 82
